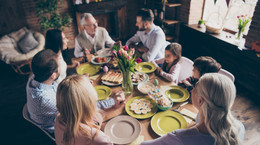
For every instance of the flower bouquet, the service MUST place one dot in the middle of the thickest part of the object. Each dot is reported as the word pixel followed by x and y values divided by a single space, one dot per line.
pixel 126 60
pixel 242 23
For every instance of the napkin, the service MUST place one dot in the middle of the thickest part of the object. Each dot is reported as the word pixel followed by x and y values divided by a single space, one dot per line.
pixel 138 141
pixel 188 113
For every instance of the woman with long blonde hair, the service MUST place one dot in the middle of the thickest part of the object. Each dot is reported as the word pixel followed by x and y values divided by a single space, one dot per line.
pixel 78 119
pixel 213 96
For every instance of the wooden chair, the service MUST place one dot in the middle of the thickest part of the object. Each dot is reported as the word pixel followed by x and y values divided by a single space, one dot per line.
pixel 26 116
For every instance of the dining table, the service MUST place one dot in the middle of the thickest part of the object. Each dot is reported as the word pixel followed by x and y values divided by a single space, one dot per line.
pixel 146 130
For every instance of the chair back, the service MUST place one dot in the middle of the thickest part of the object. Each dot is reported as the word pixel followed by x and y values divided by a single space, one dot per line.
pixel 186 68
pixel 26 116
pixel 227 73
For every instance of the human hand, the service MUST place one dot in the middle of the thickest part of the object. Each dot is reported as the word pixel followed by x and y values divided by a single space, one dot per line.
pixel 159 70
pixel 75 63
pixel 89 57
pixel 86 51
pixel 118 43
pixel 119 99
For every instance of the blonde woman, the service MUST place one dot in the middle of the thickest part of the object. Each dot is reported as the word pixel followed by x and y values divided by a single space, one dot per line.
pixel 78 120
pixel 213 96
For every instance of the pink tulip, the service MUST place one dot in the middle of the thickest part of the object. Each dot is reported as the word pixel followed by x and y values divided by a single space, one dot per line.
pixel 113 52
pixel 242 15
pixel 119 52
pixel 238 17
pixel 126 48
pixel 128 58
pixel 138 60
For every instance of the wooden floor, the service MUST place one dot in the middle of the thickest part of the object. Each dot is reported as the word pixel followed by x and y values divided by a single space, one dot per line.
pixel 15 130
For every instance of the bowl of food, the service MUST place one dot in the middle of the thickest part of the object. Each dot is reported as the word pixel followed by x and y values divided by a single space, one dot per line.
pixel 145 87
pixel 164 103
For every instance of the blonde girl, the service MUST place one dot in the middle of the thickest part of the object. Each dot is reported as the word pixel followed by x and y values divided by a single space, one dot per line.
pixel 170 67
pixel 78 119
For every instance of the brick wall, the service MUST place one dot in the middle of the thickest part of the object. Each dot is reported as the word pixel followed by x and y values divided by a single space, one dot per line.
pixel 29 7
pixel 254 30
pixel 191 11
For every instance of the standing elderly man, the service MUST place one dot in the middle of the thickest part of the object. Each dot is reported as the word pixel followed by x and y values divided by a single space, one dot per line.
pixel 92 38
pixel 152 36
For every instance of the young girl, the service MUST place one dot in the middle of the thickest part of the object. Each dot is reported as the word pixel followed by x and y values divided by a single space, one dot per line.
pixel 202 65
pixel 57 42
pixel 170 67
pixel 78 121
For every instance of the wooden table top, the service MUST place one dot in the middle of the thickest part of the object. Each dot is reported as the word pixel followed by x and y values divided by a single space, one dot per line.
pixel 147 131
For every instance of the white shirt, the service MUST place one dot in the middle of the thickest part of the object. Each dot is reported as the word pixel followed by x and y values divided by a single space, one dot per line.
pixel 155 41
pixel 78 49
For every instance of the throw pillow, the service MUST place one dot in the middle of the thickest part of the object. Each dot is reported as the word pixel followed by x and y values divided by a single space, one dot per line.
pixel 17 35
pixel 27 43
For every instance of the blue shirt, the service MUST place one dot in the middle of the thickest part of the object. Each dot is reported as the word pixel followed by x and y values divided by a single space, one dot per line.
pixel 41 103
pixel 155 41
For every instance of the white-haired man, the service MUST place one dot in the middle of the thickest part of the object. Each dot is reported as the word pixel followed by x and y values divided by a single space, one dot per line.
pixel 92 38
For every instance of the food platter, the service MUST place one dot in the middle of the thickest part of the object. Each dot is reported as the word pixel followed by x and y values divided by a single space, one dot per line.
pixel 100 59
pixel 112 78
pixel 139 77
pixel 141 116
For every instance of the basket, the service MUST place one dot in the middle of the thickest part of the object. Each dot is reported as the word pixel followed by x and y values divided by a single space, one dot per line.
pixel 213 27
pixel 214 30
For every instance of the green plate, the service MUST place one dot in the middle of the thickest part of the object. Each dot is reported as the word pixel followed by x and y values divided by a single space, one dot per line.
pixel 88 68
pixel 140 116
pixel 103 92
pixel 177 94
pixel 145 67
pixel 167 121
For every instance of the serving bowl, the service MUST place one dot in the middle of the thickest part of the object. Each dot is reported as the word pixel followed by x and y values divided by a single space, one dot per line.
pixel 145 87
pixel 162 107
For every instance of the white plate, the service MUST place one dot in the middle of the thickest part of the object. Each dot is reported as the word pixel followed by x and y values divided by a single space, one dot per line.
pixel 146 78
pixel 123 129
pixel 110 84
pixel 93 60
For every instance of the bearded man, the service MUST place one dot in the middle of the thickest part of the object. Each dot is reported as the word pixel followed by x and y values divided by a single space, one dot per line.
pixel 151 36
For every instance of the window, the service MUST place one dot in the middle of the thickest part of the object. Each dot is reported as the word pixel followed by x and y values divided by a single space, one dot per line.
pixel 222 15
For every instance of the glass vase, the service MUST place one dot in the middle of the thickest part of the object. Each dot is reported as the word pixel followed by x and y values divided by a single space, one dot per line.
pixel 238 37
pixel 127 84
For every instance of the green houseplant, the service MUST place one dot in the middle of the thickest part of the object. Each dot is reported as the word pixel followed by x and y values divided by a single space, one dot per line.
pixel 49 16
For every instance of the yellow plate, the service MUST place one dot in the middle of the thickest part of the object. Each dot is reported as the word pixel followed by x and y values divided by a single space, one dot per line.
pixel 145 67
pixel 140 116
pixel 167 121
pixel 103 92
pixel 177 94
pixel 88 68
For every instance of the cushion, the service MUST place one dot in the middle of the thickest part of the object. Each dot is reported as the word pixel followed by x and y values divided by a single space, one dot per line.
pixel 17 35
pixel 27 43
pixel 7 48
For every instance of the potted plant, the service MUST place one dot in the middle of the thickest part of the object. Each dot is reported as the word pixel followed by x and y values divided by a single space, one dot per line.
pixel 49 16
pixel 201 23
